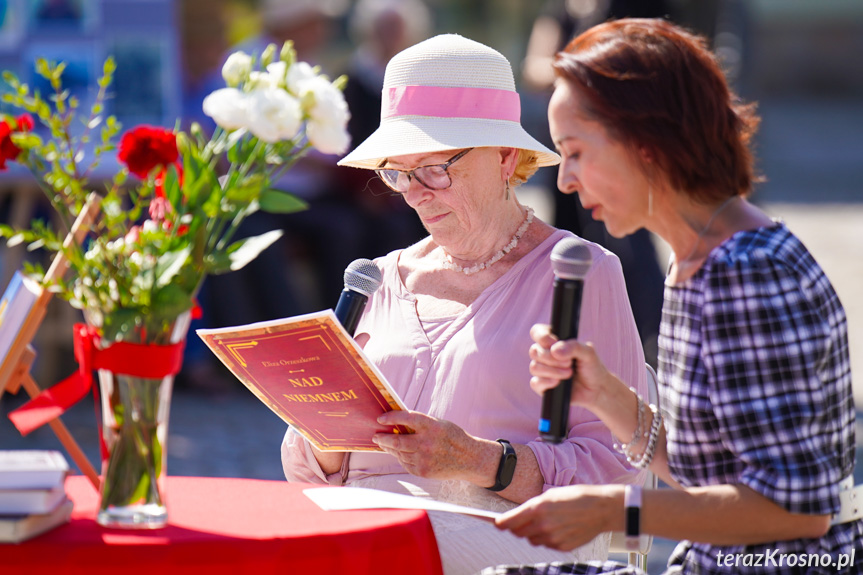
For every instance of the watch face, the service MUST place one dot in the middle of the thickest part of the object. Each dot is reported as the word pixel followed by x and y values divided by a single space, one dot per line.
pixel 506 470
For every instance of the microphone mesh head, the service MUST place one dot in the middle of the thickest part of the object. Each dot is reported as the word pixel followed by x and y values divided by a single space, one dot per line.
pixel 571 259
pixel 363 276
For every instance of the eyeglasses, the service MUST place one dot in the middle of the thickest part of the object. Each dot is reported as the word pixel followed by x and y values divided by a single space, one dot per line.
pixel 433 177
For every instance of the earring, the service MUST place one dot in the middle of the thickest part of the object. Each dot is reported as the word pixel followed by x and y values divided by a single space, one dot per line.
pixel 507 190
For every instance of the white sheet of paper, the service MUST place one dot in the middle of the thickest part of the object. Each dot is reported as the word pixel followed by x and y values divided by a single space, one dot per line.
pixel 341 498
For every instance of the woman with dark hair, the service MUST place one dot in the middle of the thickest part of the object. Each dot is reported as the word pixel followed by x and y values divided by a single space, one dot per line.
pixel 758 435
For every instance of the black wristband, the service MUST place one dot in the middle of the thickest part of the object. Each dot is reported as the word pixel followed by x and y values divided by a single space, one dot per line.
pixel 632 518
pixel 506 467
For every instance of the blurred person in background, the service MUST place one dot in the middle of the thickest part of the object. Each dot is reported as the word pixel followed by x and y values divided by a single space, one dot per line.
pixel 273 285
pixel 260 290
pixel 320 242
pixel 559 22
pixel 380 29
pixel 449 325
pixel 754 368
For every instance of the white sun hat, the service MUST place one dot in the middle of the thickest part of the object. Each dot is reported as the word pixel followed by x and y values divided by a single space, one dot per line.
pixel 447 93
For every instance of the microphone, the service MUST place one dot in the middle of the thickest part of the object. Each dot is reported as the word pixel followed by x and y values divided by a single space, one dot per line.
pixel 362 278
pixel 570 260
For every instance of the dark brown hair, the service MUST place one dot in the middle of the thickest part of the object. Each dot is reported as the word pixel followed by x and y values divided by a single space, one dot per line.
pixel 655 86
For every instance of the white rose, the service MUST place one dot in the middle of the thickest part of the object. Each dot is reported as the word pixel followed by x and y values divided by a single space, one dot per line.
pixel 278 72
pixel 228 107
pixel 274 115
pixel 261 81
pixel 330 105
pixel 237 68
pixel 298 74
pixel 274 77
pixel 328 115
pixel 327 137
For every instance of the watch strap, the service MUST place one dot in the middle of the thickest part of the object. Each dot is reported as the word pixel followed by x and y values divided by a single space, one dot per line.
pixel 632 518
pixel 506 467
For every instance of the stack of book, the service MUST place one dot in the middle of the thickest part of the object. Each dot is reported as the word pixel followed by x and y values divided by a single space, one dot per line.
pixel 32 494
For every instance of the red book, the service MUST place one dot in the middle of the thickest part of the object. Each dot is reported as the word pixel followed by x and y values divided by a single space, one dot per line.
pixel 313 375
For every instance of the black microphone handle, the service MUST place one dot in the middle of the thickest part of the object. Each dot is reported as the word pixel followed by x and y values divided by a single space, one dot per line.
pixel 350 308
pixel 565 312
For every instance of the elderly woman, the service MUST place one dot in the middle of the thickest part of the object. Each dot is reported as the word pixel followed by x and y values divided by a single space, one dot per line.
pixel 450 325
pixel 754 370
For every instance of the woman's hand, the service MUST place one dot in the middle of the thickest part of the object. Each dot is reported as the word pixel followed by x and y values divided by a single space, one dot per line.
pixel 551 361
pixel 437 449
pixel 567 517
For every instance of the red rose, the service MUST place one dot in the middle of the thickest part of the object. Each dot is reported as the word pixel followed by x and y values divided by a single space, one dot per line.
pixel 8 150
pixel 146 147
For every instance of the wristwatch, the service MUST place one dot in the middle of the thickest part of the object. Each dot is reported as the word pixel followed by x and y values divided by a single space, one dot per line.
pixel 632 519
pixel 506 467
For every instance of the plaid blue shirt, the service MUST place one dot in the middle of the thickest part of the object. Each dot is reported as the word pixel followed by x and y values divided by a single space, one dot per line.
pixel 755 379
pixel 757 386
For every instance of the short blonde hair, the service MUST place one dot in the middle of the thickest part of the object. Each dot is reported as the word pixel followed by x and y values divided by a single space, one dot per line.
pixel 527 165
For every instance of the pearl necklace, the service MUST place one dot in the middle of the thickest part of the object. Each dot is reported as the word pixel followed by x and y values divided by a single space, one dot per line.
pixel 450 265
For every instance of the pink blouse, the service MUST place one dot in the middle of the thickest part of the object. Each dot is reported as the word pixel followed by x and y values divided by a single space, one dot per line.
pixel 474 372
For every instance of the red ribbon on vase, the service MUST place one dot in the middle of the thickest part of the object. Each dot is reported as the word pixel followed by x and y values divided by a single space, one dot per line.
pixel 148 361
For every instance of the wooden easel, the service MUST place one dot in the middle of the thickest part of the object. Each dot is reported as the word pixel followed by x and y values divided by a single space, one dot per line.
pixel 15 368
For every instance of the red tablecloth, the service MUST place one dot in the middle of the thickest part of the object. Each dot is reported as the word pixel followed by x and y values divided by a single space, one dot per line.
pixel 232 526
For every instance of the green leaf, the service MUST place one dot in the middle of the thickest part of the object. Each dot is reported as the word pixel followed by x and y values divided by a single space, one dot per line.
pixel 276 202
pixel 213 206
pixel 42 68
pixel 246 190
pixel 169 265
pixel 26 140
pixel 171 185
pixel 170 301
pixel 218 262
pixel 58 70
pixel 243 251
pixel 199 180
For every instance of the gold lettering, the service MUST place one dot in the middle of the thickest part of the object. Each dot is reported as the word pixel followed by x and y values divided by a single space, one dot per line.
pixel 321 397
pixel 306 382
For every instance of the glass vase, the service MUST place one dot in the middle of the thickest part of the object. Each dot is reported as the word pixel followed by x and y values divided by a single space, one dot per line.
pixel 135 413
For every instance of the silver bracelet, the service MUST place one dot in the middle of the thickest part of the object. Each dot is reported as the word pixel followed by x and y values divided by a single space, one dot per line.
pixel 649 451
pixel 624 448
